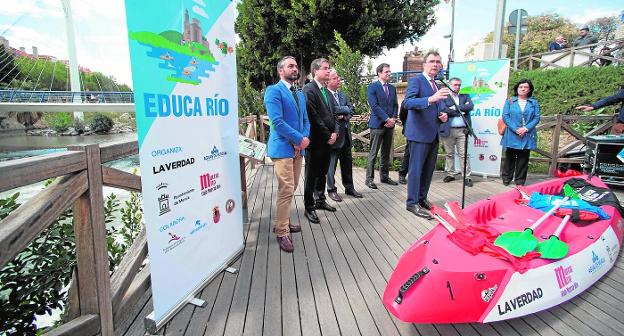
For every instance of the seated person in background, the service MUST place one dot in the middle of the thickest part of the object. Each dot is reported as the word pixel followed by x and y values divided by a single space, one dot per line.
pixel 584 38
pixel 559 43
pixel 618 97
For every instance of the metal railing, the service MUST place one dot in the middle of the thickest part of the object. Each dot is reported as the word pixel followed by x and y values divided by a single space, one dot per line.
pixel 95 97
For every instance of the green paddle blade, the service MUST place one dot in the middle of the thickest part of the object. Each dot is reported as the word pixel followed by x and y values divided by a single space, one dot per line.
pixel 553 248
pixel 517 243
pixel 570 192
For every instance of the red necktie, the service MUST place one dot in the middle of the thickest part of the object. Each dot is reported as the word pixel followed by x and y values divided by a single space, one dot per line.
pixel 433 86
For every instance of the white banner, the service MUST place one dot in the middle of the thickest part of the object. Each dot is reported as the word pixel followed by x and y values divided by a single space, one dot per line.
pixel 184 76
pixel 486 82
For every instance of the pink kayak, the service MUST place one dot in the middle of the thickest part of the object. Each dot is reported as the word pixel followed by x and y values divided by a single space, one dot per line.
pixel 437 281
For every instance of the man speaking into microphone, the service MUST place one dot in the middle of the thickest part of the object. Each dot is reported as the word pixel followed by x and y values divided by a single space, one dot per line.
pixel 425 105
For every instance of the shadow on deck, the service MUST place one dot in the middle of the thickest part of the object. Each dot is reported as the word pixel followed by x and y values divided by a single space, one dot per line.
pixel 333 283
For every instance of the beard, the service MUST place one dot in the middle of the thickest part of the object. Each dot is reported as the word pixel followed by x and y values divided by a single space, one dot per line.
pixel 293 77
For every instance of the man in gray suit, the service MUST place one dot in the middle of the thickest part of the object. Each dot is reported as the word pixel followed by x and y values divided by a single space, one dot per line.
pixel 341 149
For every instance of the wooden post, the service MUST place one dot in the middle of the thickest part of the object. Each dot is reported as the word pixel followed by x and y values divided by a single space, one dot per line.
pixel 572 57
pixel 243 178
pixel 554 150
pixel 262 132
pixel 91 247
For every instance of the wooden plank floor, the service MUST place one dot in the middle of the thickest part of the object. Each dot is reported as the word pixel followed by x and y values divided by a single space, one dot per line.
pixel 333 283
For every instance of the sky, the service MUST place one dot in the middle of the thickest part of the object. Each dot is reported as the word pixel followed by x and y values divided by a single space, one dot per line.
pixel 101 33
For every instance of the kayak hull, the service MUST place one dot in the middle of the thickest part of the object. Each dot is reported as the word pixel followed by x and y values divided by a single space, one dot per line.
pixel 459 287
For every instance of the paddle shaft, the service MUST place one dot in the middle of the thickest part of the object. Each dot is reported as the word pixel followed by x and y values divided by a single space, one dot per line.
pixel 561 226
pixel 548 213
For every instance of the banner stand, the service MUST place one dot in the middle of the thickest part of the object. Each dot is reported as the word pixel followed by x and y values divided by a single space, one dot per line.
pixel 152 326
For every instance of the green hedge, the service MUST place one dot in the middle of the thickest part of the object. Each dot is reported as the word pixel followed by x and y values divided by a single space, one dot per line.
pixel 560 90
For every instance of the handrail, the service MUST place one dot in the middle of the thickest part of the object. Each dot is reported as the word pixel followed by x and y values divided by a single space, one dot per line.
pixel 96 300
pixel 96 97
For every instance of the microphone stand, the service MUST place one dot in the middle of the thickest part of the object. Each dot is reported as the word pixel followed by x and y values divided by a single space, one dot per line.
pixel 468 131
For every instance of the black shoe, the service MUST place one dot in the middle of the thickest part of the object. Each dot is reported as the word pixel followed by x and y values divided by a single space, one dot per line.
pixel 311 216
pixel 506 183
pixel 448 179
pixel 324 206
pixel 418 211
pixel 402 180
pixel 469 183
pixel 354 193
pixel 425 204
pixel 389 181
pixel 371 184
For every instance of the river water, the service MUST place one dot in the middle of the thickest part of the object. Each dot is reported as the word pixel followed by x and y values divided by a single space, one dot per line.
pixel 23 146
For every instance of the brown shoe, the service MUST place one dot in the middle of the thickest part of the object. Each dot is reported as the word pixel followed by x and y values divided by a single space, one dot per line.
pixel 334 196
pixel 285 244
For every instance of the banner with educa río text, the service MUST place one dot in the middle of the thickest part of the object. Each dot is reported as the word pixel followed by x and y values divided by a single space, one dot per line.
pixel 184 76
pixel 486 82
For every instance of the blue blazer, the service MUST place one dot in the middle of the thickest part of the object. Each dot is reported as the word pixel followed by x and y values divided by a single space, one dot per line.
pixel 465 105
pixel 382 106
pixel 422 122
pixel 512 116
pixel 288 125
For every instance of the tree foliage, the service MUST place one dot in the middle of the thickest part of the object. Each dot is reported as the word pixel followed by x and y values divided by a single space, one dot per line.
pixel 604 28
pixel 350 66
pixel 35 282
pixel 304 29
pixel 39 74
pixel 542 29
pixel 559 91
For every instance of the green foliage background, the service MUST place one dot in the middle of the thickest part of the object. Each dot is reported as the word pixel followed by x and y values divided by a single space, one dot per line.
pixel 560 90
pixel 303 29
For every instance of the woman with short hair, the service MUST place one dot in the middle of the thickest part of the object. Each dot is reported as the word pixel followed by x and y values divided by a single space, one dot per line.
pixel 521 114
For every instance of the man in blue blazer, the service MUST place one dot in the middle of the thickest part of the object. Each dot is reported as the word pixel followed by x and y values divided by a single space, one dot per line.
pixel 452 133
pixel 289 137
pixel 382 99
pixel 425 105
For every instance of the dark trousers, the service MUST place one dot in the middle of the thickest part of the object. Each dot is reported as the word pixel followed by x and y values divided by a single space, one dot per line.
pixel 422 163
pixel 345 157
pixel 317 162
pixel 380 138
pixel 405 161
pixel 516 164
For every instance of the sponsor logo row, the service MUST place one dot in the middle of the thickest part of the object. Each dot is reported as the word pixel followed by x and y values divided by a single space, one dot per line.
pixel 176 231
pixel 564 275
pixel 164 167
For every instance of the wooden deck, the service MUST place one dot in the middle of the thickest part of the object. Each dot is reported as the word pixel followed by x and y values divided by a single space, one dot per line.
pixel 333 283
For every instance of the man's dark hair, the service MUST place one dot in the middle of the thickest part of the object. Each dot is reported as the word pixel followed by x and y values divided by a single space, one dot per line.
pixel 280 64
pixel 522 81
pixel 431 52
pixel 381 66
pixel 316 64
pixel 455 79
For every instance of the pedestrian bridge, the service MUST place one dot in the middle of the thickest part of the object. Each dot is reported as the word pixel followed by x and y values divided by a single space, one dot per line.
pixel 65 101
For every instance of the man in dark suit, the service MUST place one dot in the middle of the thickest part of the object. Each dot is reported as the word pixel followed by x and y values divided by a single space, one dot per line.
pixel 453 132
pixel 382 99
pixel 341 149
pixel 425 105
pixel 323 134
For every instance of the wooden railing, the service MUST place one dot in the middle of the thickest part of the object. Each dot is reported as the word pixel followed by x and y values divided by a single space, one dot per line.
pixel 559 129
pixel 97 300
pixel 553 59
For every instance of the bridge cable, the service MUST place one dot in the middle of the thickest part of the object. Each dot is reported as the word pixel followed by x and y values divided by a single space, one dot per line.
pixel 53 71
pixel 28 74
pixel 20 61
